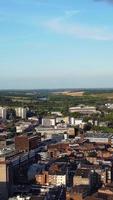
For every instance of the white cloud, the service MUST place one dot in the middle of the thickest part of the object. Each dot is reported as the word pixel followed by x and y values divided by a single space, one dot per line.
pixel 79 30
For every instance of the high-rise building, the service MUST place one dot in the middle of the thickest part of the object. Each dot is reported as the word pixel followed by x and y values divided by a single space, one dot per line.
pixel 3 112
pixel 12 164
pixel 21 112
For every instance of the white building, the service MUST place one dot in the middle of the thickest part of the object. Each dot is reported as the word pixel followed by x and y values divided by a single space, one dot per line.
pixel 109 106
pixel 83 109
pixel 78 121
pixel 22 126
pixel 57 113
pixel 47 122
pixel 3 113
pixel 21 112
pixel 20 198
pixel 104 138
pixel 66 120
pixel 72 121
pixel 57 180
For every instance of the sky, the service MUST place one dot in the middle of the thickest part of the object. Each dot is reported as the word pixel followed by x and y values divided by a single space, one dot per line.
pixel 56 44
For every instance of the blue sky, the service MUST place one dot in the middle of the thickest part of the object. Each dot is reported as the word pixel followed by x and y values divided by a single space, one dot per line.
pixel 56 44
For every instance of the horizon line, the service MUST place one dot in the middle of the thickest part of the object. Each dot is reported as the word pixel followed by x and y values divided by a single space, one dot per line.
pixel 81 88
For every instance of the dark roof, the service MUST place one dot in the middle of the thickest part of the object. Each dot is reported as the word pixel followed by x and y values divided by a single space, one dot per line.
pixel 59 173
pixel 82 172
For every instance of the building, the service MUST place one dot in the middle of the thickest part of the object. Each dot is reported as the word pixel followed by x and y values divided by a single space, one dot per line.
pixel 54 150
pixel 106 192
pixel 78 193
pixel 42 178
pixel 56 113
pixel 64 120
pixel 2 142
pixel 48 178
pixel 75 121
pixel 71 132
pixel 21 112
pixel 23 127
pixel 50 132
pixel 3 113
pixel 57 179
pixel 13 171
pixel 83 109
pixel 25 143
pixel 109 105
pixel 48 121
pixel 104 138
pixel 86 177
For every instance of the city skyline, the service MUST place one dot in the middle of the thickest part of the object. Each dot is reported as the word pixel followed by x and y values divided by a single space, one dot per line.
pixel 60 44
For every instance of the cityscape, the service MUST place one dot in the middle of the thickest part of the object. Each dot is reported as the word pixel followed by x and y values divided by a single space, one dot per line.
pixel 56 99
pixel 56 145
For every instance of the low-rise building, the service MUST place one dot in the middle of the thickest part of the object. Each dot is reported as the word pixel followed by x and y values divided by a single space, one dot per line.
pixel 83 109
pixel 48 121
pixel 48 178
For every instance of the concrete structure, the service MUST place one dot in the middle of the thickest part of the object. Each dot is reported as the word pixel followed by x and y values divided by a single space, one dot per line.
pixel 71 132
pixel 23 126
pixel 72 121
pixel 20 198
pixel 3 113
pixel 48 122
pixel 75 121
pixel 57 113
pixel 21 112
pixel 11 164
pixel 49 133
pixel 105 138
pixel 62 120
pixel 78 121
pixel 109 105
pixel 78 193
pixel 46 178
pixel 86 177
pixel 83 109
pixel 2 143
pixel 57 179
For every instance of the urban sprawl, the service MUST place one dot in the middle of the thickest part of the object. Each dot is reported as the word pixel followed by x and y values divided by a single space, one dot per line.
pixel 56 156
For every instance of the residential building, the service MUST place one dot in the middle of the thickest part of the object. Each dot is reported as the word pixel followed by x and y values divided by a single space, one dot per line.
pixel 57 179
pixel 21 112
pixel 23 126
pixel 13 166
pixel 75 121
pixel 86 177
pixel 48 178
pixel 25 143
pixel 71 132
pixel 3 113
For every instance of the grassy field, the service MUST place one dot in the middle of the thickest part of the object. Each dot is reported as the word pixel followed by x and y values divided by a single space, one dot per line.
pixel 106 95
pixel 69 93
